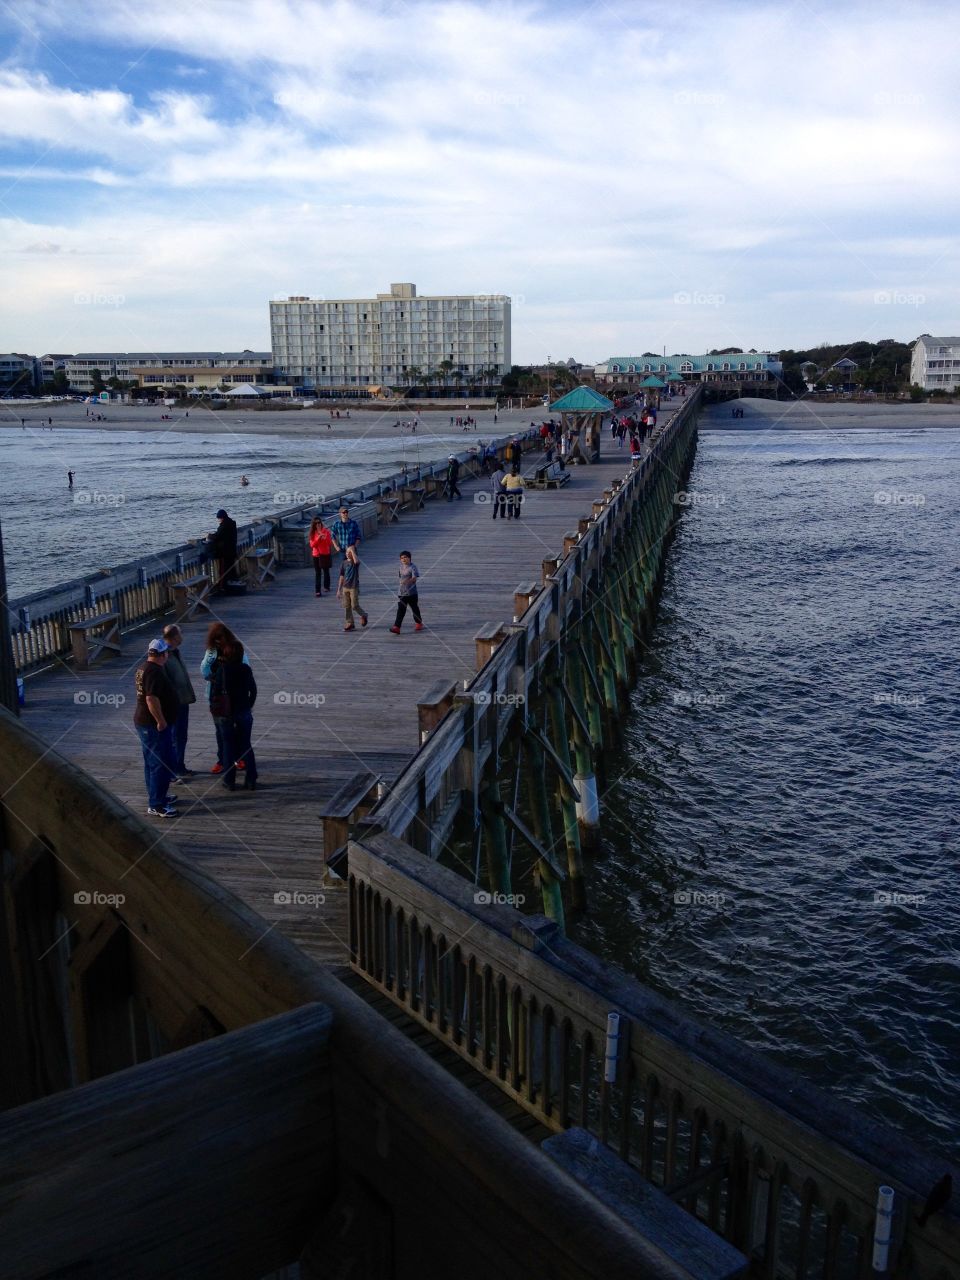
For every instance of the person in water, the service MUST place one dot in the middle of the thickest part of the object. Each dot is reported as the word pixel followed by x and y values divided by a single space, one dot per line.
pixel 244 481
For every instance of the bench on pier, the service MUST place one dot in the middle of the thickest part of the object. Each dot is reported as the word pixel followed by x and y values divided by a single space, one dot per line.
pixel 389 506
pixel 90 639
pixel 259 566
pixel 414 496
pixel 352 801
pixel 549 475
pixel 651 1212
pixel 191 596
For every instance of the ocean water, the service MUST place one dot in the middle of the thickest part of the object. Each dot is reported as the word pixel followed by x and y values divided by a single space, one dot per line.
pixel 137 491
pixel 780 849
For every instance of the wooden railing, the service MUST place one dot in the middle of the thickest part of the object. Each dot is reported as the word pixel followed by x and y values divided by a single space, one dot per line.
pixel 142 589
pixel 785 1173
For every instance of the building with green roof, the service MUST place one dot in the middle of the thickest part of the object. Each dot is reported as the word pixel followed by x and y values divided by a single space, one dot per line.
pixel 737 368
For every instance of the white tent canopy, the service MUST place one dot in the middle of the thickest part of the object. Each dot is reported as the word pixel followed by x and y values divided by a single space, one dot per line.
pixel 246 389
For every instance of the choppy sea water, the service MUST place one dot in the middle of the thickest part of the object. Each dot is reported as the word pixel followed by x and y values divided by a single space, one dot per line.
pixel 138 491
pixel 780 852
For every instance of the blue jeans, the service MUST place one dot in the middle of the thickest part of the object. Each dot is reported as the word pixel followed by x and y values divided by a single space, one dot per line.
pixel 180 728
pixel 158 762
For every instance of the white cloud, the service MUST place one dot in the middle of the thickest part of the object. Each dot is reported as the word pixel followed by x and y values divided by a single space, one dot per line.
pixel 600 153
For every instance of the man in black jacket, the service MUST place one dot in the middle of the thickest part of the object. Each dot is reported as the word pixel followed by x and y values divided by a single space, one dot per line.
pixel 223 545
pixel 453 474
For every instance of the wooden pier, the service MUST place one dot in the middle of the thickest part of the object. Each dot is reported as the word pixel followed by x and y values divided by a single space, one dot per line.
pixel 458 1077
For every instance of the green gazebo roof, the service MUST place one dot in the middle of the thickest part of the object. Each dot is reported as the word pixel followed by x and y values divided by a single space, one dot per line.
pixel 674 377
pixel 652 382
pixel 582 400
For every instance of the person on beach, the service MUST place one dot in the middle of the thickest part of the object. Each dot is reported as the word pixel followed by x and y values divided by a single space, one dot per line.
pixel 496 490
pixel 69 479
pixel 348 589
pixel 223 547
pixel 514 486
pixel 453 474
pixel 218 636
pixel 233 680
pixel 156 710
pixel 321 548
pixel 179 677
pixel 345 531
pixel 407 597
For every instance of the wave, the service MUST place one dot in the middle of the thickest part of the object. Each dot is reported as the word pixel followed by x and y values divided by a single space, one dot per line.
pixel 825 462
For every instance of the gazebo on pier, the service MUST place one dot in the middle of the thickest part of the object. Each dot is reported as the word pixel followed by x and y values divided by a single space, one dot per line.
pixel 581 413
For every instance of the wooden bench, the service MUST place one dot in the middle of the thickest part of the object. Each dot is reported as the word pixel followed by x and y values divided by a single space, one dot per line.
pixel 91 638
pixel 414 495
pixel 389 506
pixel 352 801
pixel 191 596
pixel 651 1212
pixel 259 566
pixel 550 475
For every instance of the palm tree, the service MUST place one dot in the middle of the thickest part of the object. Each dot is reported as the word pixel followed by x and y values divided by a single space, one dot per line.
pixel 443 370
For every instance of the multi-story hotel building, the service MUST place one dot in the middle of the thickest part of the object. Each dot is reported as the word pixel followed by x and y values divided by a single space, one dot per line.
pixel 935 363
pixel 156 368
pixel 742 368
pixel 392 340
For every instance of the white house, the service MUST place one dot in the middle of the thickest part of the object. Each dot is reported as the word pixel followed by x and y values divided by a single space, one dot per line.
pixel 935 363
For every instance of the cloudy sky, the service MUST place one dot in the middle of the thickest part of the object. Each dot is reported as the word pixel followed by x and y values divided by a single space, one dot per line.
pixel 636 176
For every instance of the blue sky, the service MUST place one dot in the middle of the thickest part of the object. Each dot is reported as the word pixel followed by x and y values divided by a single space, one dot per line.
pixel 635 176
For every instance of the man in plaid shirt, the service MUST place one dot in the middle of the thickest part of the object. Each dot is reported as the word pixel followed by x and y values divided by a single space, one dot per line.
pixel 345 531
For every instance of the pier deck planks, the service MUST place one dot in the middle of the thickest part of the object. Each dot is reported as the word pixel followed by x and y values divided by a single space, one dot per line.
pixel 268 841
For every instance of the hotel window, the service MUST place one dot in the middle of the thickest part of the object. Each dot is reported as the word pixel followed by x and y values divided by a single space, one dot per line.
pixel 743 364
pixel 726 365
pixel 709 368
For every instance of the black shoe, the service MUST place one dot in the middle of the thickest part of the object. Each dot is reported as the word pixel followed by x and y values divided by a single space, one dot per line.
pixel 229 786
pixel 249 786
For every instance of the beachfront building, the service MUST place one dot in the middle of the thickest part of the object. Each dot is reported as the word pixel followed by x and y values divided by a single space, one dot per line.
pixel 935 363
pixel 396 339
pixel 18 374
pixel 742 369
pixel 159 368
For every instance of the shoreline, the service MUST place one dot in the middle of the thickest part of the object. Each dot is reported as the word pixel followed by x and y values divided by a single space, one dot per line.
pixel 803 415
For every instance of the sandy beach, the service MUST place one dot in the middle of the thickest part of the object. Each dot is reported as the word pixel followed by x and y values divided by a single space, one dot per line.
pixel 362 423
pixel 809 415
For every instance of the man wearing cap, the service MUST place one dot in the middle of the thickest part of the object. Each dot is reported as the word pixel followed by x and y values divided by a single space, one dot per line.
pixel 345 531
pixel 453 474
pixel 154 716
pixel 223 545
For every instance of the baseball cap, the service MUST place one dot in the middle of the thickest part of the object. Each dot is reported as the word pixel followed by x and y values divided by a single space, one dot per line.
pixel 157 646
pixel 221 514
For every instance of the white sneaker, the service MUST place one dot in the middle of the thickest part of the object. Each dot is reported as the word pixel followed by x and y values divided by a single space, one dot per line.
pixel 167 812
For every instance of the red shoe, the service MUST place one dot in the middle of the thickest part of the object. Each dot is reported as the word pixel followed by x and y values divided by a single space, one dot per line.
pixel 395 630
pixel 419 626
pixel 350 628
pixel 363 621
pixel 241 764
pixel 217 768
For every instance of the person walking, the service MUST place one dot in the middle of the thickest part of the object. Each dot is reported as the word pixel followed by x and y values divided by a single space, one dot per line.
pixel 223 546
pixel 321 548
pixel 345 531
pixel 154 714
pixel 453 474
pixel 234 683
pixel 348 589
pixel 514 486
pixel 218 635
pixel 407 597
pixel 498 497
pixel 179 677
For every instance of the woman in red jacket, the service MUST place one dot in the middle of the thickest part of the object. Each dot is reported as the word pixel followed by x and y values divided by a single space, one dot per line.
pixel 321 548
